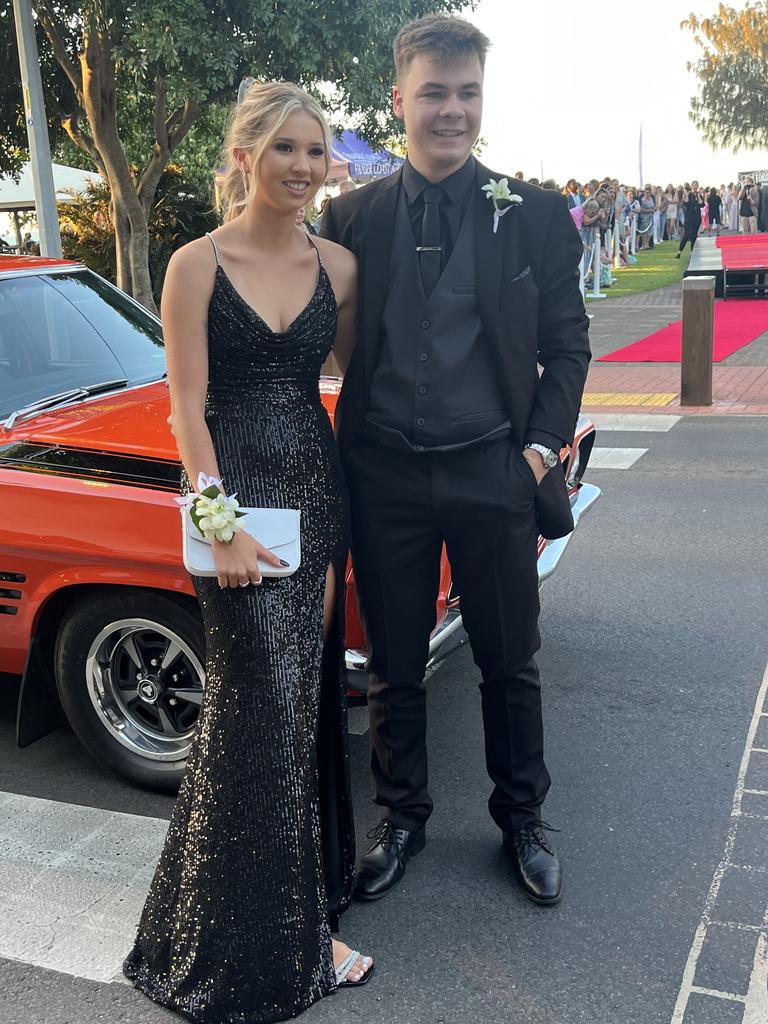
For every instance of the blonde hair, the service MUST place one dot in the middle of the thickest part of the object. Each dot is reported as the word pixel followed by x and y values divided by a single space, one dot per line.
pixel 253 125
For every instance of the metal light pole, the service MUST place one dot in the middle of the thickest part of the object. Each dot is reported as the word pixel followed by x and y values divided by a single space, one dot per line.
pixel 37 130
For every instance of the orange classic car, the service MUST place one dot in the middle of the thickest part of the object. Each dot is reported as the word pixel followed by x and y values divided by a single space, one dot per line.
pixel 97 613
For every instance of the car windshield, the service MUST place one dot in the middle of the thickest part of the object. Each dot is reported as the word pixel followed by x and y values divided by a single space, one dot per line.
pixel 70 330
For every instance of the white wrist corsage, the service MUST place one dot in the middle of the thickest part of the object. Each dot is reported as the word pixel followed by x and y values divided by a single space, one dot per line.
pixel 503 200
pixel 213 513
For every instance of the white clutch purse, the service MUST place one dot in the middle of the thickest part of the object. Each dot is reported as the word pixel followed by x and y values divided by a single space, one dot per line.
pixel 278 529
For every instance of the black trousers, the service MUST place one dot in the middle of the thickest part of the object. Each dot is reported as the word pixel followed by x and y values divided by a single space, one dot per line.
pixel 689 235
pixel 480 502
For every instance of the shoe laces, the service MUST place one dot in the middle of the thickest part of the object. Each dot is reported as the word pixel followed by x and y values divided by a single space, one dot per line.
pixel 383 834
pixel 531 835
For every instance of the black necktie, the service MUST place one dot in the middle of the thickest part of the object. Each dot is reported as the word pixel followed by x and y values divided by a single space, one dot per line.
pixel 430 249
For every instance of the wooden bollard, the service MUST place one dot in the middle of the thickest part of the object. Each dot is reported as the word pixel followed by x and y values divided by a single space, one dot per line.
pixel 698 341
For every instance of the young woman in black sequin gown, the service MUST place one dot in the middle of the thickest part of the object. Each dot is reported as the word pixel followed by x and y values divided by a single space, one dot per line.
pixel 259 857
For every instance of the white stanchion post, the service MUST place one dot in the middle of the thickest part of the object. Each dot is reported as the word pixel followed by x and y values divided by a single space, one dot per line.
pixel 596 269
pixel 633 237
pixel 617 242
pixel 581 275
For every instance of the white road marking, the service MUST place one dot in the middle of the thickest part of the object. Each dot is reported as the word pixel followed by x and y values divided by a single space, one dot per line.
pixel 717 994
pixel 756 1003
pixel 639 421
pixel 756 1000
pixel 615 458
pixel 357 720
pixel 74 882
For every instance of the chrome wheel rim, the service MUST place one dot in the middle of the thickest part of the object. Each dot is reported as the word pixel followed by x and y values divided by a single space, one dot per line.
pixel 146 685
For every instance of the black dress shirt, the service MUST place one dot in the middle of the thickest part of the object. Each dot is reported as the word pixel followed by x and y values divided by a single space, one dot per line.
pixel 457 188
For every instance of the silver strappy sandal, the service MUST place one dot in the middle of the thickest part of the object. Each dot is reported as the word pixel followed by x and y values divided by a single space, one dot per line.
pixel 342 971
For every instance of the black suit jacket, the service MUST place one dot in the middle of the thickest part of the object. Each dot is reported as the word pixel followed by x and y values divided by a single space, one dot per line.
pixel 527 279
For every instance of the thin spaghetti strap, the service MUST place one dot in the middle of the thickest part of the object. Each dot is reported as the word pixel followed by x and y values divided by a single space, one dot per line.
pixel 209 236
pixel 317 251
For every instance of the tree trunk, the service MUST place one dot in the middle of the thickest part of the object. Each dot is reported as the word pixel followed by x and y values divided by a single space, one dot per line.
pixel 100 104
pixel 132 245
pixel 122 239
pixel 139 255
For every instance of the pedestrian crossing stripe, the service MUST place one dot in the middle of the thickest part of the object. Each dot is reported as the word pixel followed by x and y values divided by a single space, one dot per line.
pixel 628 398
pixel 615 458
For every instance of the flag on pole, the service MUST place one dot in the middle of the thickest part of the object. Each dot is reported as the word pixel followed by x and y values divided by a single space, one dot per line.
pixel 640 156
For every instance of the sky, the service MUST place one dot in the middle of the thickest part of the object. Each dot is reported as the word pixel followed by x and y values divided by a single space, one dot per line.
pixel 567 87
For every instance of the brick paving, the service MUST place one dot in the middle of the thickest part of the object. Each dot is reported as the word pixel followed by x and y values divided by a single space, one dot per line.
pixel 739 384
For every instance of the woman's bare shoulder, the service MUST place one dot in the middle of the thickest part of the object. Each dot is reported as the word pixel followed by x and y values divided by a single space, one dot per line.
pixel 336 257
pixel 191 274
pixel 196 257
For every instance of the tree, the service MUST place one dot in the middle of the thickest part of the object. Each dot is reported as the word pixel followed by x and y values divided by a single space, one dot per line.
pixel 14 152
pixel 180 213
pixel 138 74
pixel 731 109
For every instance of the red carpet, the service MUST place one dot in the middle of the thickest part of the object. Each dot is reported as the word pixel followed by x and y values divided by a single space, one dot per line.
pixel 737 322
pixel 743 251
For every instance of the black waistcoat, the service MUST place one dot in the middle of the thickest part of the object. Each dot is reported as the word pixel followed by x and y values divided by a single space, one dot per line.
pixel 435 385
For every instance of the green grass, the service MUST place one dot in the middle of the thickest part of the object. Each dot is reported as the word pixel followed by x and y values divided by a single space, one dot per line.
pixel 654 269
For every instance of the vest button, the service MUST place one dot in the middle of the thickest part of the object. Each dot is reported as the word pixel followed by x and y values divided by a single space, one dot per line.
pixel 426 324
pixel 420 421
pixel 423 357
pixel 422 389
pixel 418 447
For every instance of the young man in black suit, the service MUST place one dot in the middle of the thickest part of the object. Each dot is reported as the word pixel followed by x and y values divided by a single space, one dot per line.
pixel 449 434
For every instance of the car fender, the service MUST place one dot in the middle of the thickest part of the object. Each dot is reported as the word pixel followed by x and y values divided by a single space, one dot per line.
pixel 38 710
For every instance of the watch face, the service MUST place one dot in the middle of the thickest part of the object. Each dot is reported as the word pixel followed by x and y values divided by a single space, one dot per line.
pixel 551 460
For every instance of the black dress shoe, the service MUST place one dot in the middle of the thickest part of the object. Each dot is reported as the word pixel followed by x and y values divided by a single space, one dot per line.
pixel 535 862
pixel 384 864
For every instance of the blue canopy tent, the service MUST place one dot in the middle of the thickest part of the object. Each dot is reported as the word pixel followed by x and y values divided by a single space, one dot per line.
pixel 363 161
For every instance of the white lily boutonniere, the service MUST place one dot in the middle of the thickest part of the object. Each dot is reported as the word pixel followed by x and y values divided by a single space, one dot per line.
pixel 503 200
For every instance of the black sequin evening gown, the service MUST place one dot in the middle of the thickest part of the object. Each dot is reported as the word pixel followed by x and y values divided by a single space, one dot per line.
pixel 259 857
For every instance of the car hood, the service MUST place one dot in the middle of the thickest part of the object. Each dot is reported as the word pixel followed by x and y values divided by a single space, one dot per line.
pixel 133 422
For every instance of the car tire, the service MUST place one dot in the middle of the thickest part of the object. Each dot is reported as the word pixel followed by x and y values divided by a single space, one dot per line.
pixel 110 657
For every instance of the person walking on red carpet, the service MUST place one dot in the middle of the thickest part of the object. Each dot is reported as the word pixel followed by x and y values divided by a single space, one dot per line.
pixel 691 224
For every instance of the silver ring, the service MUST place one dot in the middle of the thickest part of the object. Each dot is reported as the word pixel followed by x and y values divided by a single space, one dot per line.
pixel 256 582
pixel 243 584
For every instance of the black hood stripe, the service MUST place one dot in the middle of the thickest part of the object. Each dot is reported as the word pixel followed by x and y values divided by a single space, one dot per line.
pixel 91 464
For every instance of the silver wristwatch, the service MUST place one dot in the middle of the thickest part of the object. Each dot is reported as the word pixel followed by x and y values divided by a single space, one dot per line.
pixel 551 458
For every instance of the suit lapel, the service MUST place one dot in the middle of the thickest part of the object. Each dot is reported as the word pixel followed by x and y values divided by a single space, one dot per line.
pixel 378 250
pixel 492 251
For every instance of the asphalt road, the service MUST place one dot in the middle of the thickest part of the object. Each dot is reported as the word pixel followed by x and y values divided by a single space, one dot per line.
pixel 655 643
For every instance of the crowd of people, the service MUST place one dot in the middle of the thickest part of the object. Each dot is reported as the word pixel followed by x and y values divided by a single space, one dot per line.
pixel 647 216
